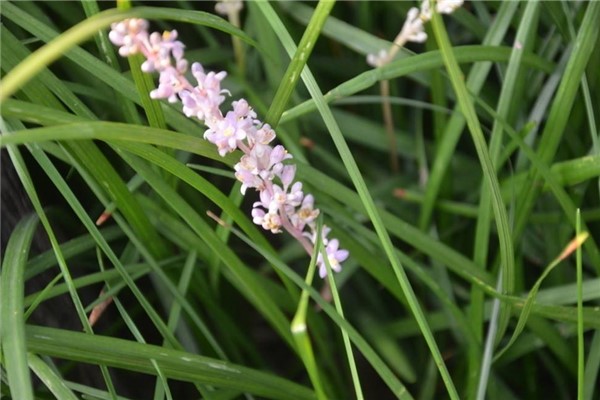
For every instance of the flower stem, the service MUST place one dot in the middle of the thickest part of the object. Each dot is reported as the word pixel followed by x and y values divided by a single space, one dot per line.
pixel 386 108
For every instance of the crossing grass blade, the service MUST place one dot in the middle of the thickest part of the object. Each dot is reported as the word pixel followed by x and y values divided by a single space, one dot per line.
pixel 53 382
pixel 573 246
pixel 175 364
pixel 338 306
pixel 299 329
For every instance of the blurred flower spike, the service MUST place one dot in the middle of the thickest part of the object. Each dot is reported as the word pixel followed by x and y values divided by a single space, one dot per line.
pixel 226 7
pixel 413 29
pixel 282 204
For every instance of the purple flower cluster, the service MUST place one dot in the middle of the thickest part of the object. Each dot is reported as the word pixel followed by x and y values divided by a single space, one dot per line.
pixel 282 204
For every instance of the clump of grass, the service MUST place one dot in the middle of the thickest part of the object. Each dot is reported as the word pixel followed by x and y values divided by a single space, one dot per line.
pixel 456 284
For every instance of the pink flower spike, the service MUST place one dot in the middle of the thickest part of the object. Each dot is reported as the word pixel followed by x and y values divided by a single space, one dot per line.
pixel 282 204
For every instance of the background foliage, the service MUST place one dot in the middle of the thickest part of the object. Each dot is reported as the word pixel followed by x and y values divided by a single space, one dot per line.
pixel 457 284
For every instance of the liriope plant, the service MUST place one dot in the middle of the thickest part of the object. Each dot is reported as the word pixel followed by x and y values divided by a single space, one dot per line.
pixel 289 148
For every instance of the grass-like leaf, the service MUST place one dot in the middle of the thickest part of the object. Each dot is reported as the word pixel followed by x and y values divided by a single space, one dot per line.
pixel 571 247
pixel 12 332
pixel 174 364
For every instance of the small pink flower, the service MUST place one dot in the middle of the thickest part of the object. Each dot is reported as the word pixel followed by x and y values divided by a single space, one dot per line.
pixel 324 233
pixel 242 109
pixel 306 214
pixel 264 135
pixel 276 156
pixel 248 179
pixel 171 84
pixel 129 35
pixel 160 49
pixel 269 160
pixel 287 175
pixel 335 256
pixel 295 195
pixel 278 199
pixel 224 133
pixel 269 221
